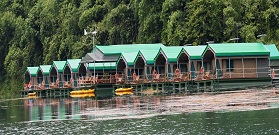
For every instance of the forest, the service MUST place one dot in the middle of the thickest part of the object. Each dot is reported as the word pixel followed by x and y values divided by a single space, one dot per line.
pixel 37 32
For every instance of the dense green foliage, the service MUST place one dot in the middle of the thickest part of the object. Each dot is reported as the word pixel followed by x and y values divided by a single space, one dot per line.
pixel 36 32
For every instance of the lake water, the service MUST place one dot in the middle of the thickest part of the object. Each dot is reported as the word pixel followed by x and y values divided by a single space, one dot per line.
pixel 126 115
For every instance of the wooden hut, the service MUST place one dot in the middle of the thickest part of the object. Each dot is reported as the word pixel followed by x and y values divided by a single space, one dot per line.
pixel 44 71
pixel 273 60
pixel 146 58
pixel 57 74
pixel 195 59
pixel 30 78
pixel 240 60
pixel 125 64
pixel 167 63
pixel 274 56
pixel 71 72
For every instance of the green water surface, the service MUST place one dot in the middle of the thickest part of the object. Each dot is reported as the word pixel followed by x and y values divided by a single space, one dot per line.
pixel 126 115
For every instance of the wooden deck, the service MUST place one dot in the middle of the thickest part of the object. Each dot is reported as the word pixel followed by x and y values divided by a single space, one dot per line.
pixel 161 87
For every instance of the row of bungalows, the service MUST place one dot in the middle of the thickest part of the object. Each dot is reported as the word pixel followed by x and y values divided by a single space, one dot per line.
pixel 152 63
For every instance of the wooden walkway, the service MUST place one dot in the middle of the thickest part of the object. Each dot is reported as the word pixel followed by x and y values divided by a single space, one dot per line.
pixel 209 85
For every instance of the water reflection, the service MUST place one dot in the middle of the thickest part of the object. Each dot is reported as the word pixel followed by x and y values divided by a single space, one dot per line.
pixel 90 108
pixel 127 115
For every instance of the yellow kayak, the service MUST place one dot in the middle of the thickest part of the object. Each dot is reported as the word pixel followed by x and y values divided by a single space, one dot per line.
pixel 83 95
pixel 32 94
pixel 77 92
pixel 124 89
pixel 90 91
pixel 124 93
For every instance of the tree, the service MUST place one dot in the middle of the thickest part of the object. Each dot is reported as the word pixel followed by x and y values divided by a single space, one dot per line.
pixel 150 24
pixel 174 16
pixel 205 21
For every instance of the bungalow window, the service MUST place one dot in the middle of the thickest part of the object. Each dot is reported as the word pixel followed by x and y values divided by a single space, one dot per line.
pixel 230 65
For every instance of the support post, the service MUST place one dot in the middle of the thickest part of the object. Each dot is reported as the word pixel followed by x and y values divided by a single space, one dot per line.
pixel 242 68
pixel 230 67
pixel 256 67
pixel 94 74
pixel 216 71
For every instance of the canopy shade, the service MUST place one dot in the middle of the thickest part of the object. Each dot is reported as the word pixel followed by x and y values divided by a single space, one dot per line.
pixel 127 48
pixel 239 49
pixel 171 53
pixel 111 53
pixel 45 69
pixel 32 71
pixel 194 52
pixel 129 58
pixel 74 64
pixel 101 66
pixel 148 56
pixel 91 57
pixel 59 65
pixel 274 54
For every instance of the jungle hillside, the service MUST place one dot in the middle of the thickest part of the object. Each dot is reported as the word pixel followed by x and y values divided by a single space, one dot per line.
pixel 37 32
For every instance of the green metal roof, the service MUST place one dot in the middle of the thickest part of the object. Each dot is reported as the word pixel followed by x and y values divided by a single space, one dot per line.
pixel 60 65
pixel 118 49
pixel 148 55
pixel 74 64
pixel 32 71
pixel 239 49
pixel 101 66
pixel 274 54
pixel 195 52
pixel 128 57
pixel 171 52
pixel 45 69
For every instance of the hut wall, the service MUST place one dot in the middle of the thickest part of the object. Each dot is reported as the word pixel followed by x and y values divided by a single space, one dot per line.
pixel 34 81
pixel 274 63
pixel 61 79
pixel 195 63
pixel 46 79
pixel 149 70
pixel 183 67
pixel 209 66
pixel 262 67
pixel 224 67
pixel 171 68
pixel 218 70
pixel 220 63
pixel 160 69
pixel 198 66
pixel 250 68
pixel 237 68
pixel 274 67
pixel 166 69
pixel 213 71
